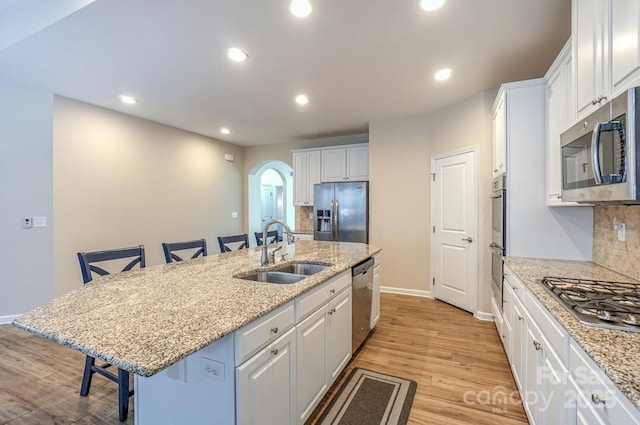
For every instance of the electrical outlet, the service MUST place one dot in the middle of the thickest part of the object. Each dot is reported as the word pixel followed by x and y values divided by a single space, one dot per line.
pixel 212 369
pixel 234 214
pixel 310 216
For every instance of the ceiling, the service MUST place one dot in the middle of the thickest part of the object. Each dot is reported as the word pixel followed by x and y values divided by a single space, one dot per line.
pixel 357 60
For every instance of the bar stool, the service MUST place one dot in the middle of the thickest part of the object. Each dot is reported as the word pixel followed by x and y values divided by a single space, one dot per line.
pixel 199 244
pixel 225 240
pixel 272 236
pixel 87 267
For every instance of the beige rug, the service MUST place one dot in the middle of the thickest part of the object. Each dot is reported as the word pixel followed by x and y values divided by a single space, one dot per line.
pixel 370 398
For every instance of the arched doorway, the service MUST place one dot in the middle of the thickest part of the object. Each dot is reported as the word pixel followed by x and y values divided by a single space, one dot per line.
pixel 270 195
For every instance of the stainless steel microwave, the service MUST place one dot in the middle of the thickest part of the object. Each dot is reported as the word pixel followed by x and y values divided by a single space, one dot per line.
pixel 600 154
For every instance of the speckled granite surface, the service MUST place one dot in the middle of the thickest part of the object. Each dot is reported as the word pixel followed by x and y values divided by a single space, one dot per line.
pixel 145 320
pixel 617 353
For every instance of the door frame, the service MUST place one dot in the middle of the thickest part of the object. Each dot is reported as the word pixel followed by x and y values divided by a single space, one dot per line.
pixel 471 149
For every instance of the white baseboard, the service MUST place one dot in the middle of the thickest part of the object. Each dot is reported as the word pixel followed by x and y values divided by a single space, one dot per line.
pixel 5 320
pixel 481 315
pixel 403 291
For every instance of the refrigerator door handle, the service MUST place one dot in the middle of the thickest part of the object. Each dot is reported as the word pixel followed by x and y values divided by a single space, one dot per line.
pixel 331 220
pixel 335 221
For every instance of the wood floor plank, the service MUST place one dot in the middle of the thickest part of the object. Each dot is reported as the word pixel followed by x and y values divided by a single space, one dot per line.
pixel 457 361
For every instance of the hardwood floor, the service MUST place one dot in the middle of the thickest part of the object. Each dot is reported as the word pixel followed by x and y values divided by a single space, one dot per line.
pixel 458 362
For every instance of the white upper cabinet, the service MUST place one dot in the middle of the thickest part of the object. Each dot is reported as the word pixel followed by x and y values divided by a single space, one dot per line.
pixel 590 52
pixel 306 173
pixel 606 50
pixel 560 116
pixel 500 135
pixel 349 163
pixel 625 49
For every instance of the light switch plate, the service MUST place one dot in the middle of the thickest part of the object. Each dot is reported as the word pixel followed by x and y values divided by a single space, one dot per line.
pixel 39 221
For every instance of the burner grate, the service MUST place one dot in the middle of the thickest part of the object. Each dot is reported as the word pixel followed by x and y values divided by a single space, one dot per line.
pixel 606 304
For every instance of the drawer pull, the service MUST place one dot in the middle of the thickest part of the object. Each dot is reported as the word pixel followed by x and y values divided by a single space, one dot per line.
pixel 514 288
pixel 333 310
pixel 274 330
pixel 274 351
pixel 333 291
pixel 595 398
pixel 537 345
pixel 520 318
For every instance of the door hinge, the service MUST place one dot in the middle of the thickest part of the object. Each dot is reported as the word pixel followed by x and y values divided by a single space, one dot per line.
pixel 433 176
pixel 434 281
pixel 434 229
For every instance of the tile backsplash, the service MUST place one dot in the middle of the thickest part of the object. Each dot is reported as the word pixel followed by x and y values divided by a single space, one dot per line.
pixel 304 224
pixel 608 251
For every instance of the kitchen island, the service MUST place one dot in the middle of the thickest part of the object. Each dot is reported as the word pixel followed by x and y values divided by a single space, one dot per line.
pixel 147 320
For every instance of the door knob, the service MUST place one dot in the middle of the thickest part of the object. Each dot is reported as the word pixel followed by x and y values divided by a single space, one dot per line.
pixel 469 239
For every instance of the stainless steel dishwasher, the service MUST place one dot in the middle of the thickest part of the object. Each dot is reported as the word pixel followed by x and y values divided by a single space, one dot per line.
pixel 362 288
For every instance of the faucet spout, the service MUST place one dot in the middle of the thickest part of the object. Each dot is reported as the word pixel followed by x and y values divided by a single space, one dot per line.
pixel 266 257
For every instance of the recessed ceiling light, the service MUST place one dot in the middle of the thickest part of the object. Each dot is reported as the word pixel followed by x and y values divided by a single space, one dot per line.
pixel 431 5
pixel 443 74
pixel 225 130
pixel 237 55
pixel 301 99
pixel 300 8
pixel 128 99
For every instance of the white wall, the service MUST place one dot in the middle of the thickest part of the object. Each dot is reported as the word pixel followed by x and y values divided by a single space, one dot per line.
pixel 122 181
pixel 399 170
pixel 26 255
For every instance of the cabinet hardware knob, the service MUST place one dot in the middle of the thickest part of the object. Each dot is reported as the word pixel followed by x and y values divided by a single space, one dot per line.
pixel 520 318
pixel 333 291
pixel 537 345
pixel 595 398
pixel 333 310
pixel 274 351
pixel 274 330
pixel 514 288
pixel 495 171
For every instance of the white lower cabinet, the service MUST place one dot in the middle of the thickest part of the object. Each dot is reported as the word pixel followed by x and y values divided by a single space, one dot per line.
pixel 558 382
pixel 324 349
pixel 265 384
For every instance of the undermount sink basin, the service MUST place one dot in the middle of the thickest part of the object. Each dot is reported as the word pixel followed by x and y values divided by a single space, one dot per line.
pixel 306 269
pixel 273 277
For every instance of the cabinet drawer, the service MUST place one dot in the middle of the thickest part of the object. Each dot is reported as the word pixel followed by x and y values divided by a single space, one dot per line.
pixel 550 328
pixel 593 385
pixel 516 285
pixel 253 337
pixel 307 303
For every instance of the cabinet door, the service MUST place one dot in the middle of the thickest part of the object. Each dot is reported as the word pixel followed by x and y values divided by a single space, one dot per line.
pixel 312 362
pixel 334 164
pixel 590 53
pixel 375 297
pixel 265 384
pixel 500 137
pixel 507 327
pixel 314 173
pixel 625 49
pixel 517 343
pixel 534 362
pixel 300 178
pixel 358 164
pixel 339 334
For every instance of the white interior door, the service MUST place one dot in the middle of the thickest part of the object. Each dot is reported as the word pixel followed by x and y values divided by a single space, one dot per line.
pixel 454 253
pixel 267 204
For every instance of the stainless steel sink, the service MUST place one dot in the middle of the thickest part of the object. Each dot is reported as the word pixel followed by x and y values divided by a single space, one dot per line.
pixel 273 277
pixel 306 269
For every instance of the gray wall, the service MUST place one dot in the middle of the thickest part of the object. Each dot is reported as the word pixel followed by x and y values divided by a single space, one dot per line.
pixel 122 181
pixel 26 255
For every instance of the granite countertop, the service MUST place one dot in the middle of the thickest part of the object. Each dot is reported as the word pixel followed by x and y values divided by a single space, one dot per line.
pixel 145 320
pixel 615 352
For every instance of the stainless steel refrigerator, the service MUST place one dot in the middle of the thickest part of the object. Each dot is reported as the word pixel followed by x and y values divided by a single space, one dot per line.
pixel 341 212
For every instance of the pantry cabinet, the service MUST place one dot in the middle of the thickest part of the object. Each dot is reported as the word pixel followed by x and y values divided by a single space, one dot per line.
pixel 306 173
pixel 500 135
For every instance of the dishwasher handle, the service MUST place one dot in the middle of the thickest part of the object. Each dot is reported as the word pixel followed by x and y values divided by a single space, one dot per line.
pixel 362 267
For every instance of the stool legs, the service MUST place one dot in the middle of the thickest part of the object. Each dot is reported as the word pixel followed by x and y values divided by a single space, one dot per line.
pixel 87 375
pixel 123 394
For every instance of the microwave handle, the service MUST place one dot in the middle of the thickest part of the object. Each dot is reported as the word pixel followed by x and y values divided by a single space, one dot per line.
pixel 595 152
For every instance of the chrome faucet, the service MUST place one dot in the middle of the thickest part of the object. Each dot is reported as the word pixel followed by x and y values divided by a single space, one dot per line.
pixel 269 257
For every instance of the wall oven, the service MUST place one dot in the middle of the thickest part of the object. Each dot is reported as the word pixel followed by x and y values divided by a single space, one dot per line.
pixel 600 154
pixel 498 207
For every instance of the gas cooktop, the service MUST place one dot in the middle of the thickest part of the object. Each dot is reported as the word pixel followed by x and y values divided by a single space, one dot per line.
pixel 604 304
